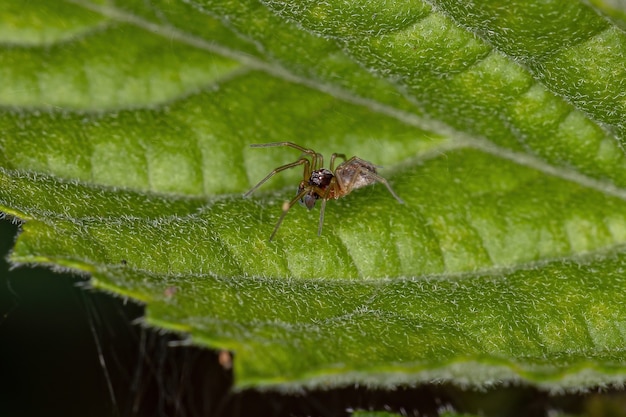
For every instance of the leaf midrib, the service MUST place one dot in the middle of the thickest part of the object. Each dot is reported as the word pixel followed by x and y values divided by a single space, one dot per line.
pixel 460 138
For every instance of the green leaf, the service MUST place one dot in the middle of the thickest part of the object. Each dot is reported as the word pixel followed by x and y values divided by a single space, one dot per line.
pixel 124 145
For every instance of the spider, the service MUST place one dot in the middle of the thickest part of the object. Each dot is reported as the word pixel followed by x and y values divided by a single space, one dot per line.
pixel 321 183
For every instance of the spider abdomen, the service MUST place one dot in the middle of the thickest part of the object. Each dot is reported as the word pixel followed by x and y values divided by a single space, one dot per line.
pixel 355 173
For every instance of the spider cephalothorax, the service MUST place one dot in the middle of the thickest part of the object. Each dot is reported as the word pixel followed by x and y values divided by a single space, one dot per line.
pixel 321 183
pixel 319 180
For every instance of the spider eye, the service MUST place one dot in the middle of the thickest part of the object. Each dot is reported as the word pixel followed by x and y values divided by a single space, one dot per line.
pixel 308 201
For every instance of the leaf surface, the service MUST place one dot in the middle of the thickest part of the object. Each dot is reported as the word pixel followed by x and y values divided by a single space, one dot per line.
pixel 124 146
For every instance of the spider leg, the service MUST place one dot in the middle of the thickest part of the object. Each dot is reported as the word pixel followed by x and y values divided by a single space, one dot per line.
pixel 322 208
pixel 286 207
pixel 275 144
pixel 332 186
pixel 307 173
pixel 384 181
pixel 332 159
pixel 317 160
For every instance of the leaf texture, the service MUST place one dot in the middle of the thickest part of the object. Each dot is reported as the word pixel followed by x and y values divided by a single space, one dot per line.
pixel 124 146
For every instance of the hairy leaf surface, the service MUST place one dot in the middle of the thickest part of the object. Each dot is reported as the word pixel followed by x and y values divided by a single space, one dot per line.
pixel 124 146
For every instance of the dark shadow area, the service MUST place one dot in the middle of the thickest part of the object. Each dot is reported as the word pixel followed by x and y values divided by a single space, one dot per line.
pixel 52 331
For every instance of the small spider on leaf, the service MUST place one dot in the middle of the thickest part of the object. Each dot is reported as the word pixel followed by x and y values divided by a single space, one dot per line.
pixel 321 183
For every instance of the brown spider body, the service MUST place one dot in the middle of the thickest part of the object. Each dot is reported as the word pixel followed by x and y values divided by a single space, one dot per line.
pixel 321 183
